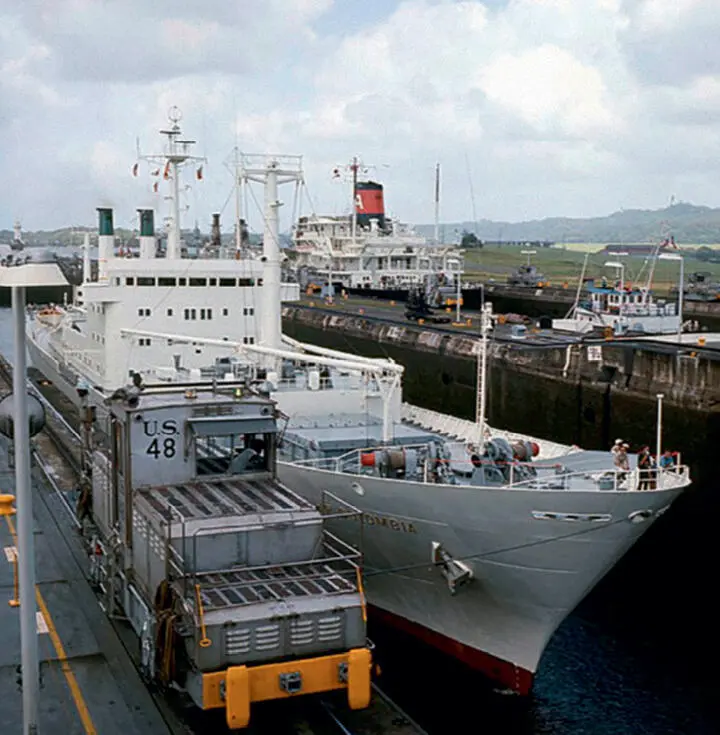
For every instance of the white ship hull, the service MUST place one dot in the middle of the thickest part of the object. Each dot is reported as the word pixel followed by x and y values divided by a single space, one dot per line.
pixel 62 377
pixel 501 621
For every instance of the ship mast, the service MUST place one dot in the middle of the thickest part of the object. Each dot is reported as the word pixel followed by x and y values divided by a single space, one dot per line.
pixel 271 171
pixel 481 390
pixel 177 153
pixel 437 203
pixel 354 169
pixel 234 165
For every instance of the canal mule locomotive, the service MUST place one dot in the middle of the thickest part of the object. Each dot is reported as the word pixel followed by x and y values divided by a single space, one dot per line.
pixel 237 591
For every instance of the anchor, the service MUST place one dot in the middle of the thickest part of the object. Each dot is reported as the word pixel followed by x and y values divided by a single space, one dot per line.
pixel 455 572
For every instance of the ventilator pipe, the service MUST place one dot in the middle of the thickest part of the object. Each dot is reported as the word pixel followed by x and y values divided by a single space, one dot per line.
pixel 106 242
pixel 147 233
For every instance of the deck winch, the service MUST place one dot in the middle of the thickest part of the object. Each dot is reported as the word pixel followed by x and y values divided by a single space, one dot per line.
pixel 395 463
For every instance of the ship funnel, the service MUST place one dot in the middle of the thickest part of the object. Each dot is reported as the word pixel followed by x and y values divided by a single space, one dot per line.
pixel 147 233
pixel 215 232
pixel 369 204
pixel 106 241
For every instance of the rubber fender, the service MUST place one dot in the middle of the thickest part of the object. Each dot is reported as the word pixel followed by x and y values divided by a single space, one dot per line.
pixel 237 697
pixel 358 685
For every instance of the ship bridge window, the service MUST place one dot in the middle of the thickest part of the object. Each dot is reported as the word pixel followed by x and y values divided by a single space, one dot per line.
pixel 165 281
pixel 143 312
pixel 212 281
pixel 197 282
pixel 246 281
pixel 145 281
pixel 129 281
pixel 182 281
pixel 227 282
pixel 248 311
pixel 225 312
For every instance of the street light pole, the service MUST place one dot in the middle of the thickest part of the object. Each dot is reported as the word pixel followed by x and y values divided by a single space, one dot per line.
pixel 458 296
pixel 18 278
pixel 680 297
pixel 681 289
pixel 658 438
pixel 25 542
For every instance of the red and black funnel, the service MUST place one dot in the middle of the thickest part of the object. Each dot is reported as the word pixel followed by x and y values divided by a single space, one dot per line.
pixel 369 204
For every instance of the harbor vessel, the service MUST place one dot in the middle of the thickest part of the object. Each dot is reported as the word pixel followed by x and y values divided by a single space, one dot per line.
pixel 478 541
pixel 621 306
pixel 369 253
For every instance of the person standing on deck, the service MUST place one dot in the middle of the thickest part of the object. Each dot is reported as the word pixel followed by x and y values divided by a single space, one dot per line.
pixel 622 463
pixel 645 467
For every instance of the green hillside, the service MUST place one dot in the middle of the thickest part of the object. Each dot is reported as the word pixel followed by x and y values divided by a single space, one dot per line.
pixel 687 222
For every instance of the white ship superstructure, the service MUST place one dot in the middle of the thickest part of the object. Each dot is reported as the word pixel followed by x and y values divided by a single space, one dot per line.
pixel 213 297
pixel 478 541
pixel 368 250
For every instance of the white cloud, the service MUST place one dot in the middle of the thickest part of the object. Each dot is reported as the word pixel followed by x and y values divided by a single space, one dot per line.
pixel 547 86
pixel 549 106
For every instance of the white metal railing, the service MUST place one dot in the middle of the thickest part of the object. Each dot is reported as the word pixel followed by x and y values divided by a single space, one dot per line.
pixel 468 430
pixel 545 476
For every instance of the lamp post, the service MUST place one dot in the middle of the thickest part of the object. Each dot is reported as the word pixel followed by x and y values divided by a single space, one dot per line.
pixel 681 289
pixel 658 437
pixel 18 278
pixel 528 253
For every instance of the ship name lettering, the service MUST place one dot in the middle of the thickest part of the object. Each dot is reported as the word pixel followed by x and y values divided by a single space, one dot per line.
pixel 373 519
pixel 370 519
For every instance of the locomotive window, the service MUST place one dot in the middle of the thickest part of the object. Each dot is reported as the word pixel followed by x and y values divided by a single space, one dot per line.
pixel 236 454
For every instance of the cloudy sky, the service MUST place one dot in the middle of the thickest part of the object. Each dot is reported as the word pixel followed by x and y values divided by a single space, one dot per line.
pixel 533 108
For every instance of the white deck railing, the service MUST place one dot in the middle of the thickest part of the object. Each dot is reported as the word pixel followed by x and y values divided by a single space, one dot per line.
pixel 467 431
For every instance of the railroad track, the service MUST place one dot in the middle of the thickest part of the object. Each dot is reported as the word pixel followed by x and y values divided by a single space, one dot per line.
pixel 311 716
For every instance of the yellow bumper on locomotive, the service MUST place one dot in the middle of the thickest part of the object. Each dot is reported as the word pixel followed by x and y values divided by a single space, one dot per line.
pixel 238 687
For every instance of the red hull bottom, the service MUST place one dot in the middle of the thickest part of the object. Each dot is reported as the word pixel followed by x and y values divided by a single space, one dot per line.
pixel 503 672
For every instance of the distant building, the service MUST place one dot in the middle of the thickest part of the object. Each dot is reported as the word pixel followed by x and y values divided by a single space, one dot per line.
pixel 520 243
pixel 643 249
